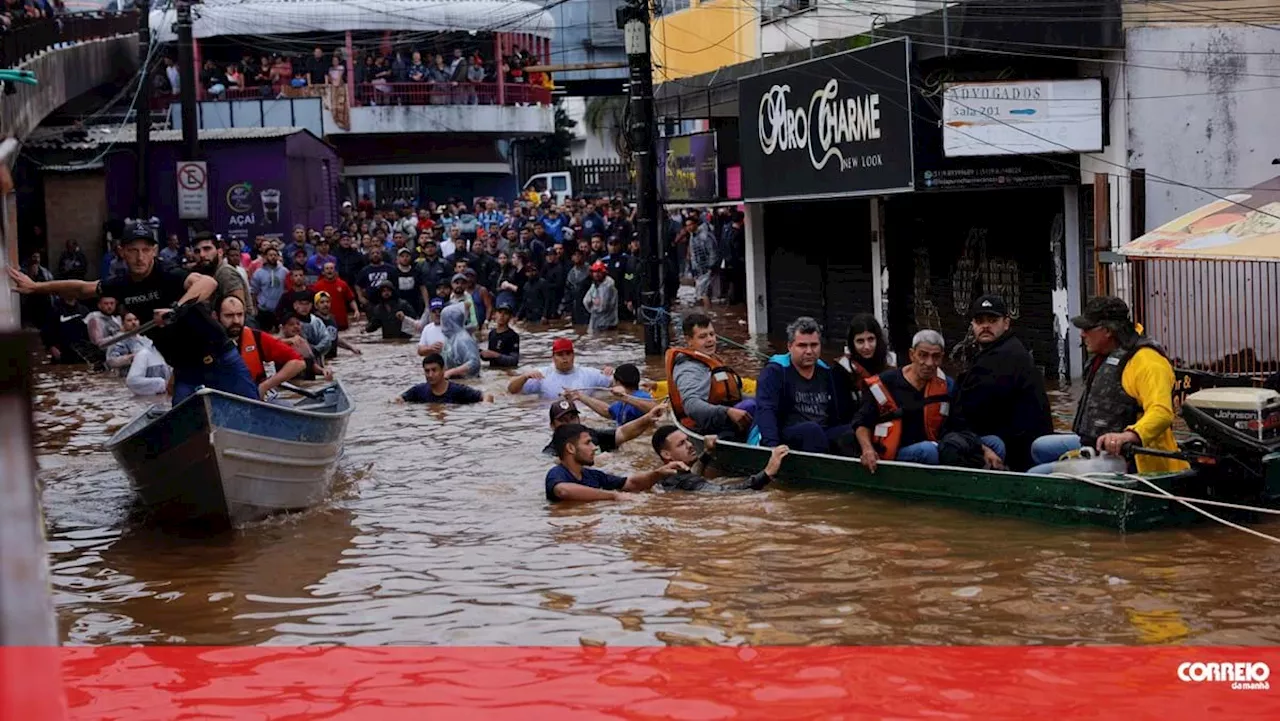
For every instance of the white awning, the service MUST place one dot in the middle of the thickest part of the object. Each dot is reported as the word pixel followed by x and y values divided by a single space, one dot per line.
pixel 215 18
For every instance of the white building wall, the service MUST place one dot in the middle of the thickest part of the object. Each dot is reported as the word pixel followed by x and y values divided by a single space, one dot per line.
pixel 1203 119
pixel 831 20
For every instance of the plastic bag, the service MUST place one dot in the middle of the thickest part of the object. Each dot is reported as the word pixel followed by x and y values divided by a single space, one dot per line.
pixel 148 374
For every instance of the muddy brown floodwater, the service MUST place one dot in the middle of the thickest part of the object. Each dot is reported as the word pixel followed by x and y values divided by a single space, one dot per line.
pixel 438 533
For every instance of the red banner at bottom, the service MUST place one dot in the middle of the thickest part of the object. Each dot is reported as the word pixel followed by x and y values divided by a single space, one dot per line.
pixel 572 684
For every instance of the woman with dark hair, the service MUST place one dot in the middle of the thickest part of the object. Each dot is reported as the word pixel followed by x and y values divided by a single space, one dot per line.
pixel 866 353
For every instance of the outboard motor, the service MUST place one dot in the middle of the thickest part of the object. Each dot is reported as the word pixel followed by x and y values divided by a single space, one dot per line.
pixel 1240 424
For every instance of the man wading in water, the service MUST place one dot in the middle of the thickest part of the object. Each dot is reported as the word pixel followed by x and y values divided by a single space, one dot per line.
pixel 191 341
pixel 673 445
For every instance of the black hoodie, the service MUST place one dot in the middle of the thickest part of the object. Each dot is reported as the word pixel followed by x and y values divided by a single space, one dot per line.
pixel 1002 394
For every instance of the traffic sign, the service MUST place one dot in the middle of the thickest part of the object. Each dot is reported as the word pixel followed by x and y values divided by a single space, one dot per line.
pixel 193 190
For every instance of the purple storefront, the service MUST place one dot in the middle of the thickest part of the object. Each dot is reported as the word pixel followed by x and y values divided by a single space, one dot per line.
pixel 261 181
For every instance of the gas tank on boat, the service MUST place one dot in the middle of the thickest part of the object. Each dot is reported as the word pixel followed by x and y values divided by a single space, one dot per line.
pixel 1240 420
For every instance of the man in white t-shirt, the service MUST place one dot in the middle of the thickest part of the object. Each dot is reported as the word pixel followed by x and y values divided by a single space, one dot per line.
pixel 432 339
pixel 562 374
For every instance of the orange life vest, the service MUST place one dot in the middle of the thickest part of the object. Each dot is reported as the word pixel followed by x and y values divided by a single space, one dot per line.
pixel 249 342
pixel 726 384
pixel 888 431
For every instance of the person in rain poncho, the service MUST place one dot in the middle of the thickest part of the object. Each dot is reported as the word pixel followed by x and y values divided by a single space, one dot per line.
pixel 148 374
pixel 601 299
pixel 461 354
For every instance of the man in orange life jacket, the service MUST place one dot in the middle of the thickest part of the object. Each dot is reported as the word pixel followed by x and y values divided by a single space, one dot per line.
pixel 905 409
pixel 258 348
pixel 706 394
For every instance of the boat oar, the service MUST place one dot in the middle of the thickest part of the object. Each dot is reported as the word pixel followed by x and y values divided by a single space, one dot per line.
pixel 149 325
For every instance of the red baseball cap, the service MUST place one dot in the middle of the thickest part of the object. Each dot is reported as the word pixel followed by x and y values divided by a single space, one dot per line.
pixel 599 266
pixel 562 345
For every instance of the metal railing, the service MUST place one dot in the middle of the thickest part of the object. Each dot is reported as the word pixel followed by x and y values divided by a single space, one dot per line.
pixel 26 37
pixel 368 94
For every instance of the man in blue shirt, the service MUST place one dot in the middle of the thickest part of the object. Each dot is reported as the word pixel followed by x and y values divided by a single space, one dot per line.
pixel 439 390
pixel 553 223
pixel 572 479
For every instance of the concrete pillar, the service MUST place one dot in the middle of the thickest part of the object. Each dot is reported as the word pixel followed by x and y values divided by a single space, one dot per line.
pixel 1075 280
pixel 757 278
pixel 879 265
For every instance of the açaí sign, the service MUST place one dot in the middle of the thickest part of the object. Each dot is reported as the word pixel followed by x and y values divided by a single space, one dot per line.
pixel 831 127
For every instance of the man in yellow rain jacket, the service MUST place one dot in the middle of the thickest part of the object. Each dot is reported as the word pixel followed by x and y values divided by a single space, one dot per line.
pixel 1128 393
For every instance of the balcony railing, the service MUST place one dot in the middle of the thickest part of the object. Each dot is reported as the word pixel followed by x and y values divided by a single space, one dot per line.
pixel 372 94
pixel 26 37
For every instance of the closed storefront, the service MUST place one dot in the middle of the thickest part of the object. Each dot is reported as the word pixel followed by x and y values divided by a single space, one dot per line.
pixel 946 249
pixel 818 264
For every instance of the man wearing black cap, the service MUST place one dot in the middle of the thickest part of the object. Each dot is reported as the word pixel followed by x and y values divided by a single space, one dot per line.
pixel 1128 393
pixel 409 285
pixel 565 412
pixel 192 342
pixel 1002 392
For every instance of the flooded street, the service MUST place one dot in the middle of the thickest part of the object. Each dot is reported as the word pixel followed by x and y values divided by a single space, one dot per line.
pixel 438 532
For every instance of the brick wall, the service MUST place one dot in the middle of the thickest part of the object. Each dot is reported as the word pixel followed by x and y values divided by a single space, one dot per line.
pixel 75 207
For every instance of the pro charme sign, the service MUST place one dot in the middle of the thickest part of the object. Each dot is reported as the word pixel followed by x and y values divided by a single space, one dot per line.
pixel 836 126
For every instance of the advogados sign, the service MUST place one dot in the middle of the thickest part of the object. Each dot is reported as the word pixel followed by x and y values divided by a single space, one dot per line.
pixel 837 126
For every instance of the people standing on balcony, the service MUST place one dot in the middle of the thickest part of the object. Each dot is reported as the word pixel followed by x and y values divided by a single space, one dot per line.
pixel 475 76
pixel 281 73
pixel 440 78
pixel 317 67
pixel 215 82
pixel 235 79
pixel 337 72
pixel 171 74
pixel 417 70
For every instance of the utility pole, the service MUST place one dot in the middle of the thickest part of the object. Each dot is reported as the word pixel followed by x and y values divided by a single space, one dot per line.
pixel 142 115
pixel 633 18
pixel 187 91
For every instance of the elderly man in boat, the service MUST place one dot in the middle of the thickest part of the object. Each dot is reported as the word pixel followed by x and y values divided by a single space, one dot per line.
pixel 258 349
pixel 1128 393
pixel 706 394
pixel 905 410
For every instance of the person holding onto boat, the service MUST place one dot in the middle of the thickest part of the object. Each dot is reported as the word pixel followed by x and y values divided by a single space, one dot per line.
pixel 291 326
pixel 257 349
pixel 438 388
pixel 799 402
pixel 673 444
pixel 565 412
pixel 550 382
pixel 186 333
pixel 1001 393
pixel 632 401
pixel 706 394
pixel 866 354
pixel 573 479
pixel 1128 393
pixel 905 410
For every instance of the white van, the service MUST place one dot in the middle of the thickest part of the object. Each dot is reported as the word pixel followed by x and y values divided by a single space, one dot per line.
pixel 551 186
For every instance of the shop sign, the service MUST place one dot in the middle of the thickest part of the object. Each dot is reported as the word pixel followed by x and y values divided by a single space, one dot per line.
pixel 1022 117
pixel 836 126
pixel 690 168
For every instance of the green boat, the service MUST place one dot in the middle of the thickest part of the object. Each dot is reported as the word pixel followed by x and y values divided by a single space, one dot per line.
pixel 1048 499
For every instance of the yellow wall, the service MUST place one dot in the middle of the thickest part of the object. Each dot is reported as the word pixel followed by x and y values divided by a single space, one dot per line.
pixel 709 35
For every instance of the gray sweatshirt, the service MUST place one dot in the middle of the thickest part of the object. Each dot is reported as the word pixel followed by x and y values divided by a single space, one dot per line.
pixel 602 302
pixel 693 381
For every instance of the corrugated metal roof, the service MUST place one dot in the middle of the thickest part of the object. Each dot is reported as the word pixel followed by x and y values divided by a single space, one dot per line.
pixel 95 138
pixel 72 168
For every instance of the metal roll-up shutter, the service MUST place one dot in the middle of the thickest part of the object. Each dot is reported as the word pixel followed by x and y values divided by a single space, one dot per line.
pixel 819 264
pixel 947 249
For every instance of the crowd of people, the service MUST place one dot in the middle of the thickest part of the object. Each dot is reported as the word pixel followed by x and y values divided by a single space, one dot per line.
pixel 382 75
pixel 452 278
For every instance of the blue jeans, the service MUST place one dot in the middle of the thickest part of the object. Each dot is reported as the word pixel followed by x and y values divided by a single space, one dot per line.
pixel 226 373
pixel 926 452
pixel 1046 450
pixel 811 437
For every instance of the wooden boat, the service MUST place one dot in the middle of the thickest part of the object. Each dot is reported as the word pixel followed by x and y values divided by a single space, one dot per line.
pixel 1050 499
pixel 222 459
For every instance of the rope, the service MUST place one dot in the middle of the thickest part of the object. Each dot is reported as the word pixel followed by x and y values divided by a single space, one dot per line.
pixel 1188 502
pixel 653 315
pixel 740 346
